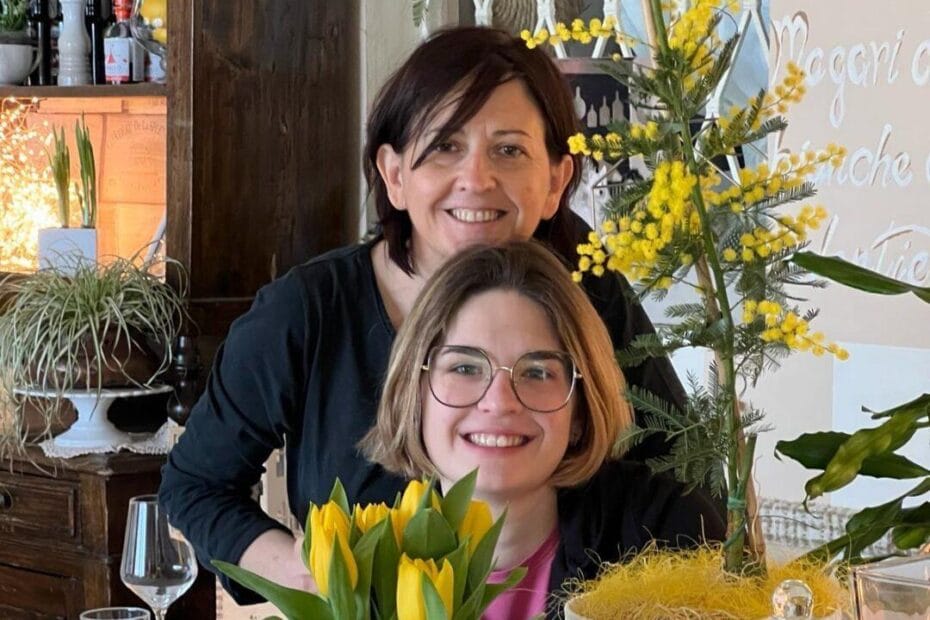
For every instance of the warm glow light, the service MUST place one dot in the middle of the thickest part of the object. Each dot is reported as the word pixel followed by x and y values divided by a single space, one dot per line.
pixel 27 195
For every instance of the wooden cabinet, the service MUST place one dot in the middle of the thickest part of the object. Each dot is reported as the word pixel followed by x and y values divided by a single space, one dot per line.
pixel 262 162
pixel 61 536
pixel 263 144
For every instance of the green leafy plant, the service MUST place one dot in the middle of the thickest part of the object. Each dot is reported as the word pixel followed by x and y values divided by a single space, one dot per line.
pixel 104 325
pixel 425 558
pixel 59 162
pixel 694 223
pixel 842 457
pixel 88 192
pixel 13 15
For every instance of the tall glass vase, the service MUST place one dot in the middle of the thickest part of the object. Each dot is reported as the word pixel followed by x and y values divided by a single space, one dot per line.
pixel 73 45
pixel 149 25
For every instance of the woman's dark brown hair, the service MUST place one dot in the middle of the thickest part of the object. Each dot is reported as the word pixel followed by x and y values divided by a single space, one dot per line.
pixel 470 62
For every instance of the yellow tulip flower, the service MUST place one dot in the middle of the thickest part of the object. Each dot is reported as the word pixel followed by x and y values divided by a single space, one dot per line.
pixel 329 526
pixel 411 498
pixel 370 516
pixel 410 602
pixel 477 522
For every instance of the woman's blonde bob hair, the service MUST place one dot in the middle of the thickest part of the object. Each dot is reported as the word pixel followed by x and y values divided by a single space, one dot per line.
pixel 601 411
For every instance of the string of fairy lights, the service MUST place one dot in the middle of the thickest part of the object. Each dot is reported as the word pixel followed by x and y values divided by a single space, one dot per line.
pixel 27 194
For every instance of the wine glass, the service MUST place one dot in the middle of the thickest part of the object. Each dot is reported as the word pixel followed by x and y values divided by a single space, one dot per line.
pixel 158 564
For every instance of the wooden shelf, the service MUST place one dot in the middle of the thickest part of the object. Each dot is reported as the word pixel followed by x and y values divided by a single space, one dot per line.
pixel 146 89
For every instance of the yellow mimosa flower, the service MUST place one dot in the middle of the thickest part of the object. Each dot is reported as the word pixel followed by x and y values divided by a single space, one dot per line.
pixel 410 601
pixel 329 525
pixel 476 523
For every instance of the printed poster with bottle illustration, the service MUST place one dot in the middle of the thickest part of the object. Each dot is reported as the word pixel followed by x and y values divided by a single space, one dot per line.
pixel 868 89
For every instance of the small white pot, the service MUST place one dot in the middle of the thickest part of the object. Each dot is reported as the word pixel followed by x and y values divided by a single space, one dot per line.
pixel 17 61
pixel 570 613
pixel 65 248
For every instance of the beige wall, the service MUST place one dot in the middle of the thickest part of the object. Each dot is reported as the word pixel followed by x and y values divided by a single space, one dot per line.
pixel 868 83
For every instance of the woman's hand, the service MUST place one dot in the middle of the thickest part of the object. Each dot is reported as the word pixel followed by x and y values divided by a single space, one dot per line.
pixel 275 555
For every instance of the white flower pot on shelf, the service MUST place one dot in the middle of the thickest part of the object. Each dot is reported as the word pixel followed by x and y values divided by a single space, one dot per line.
pixel 65 248
pixel 17 61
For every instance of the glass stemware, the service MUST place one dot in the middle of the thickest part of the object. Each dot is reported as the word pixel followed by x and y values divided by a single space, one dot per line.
pixel 149 25
pixel 158 564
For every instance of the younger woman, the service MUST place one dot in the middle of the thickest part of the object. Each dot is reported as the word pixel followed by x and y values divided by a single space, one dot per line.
pixel 503 365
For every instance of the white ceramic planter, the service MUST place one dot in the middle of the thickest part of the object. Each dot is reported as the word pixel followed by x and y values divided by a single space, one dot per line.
pixel 65 248
pixel 570 613
pixel 17 61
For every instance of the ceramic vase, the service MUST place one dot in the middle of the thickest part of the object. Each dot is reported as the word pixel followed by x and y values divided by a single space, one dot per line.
pixel 73 45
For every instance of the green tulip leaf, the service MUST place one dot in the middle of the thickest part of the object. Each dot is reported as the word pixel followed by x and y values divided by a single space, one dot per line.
pixel 428 535
pixel 338 495
pixel 341 596
pixel 364 552
pixel 305 546
pixel 456 501
pixel 469 609
pixel 814 451
pixel 458 559
pixel 384 574
pixel 482 559
pixel 493 590
pixel 295 604
pixel 849 457
pixel 435 610
pixel 857 277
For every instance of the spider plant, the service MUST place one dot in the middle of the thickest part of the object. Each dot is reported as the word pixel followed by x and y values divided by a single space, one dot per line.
pixel 101 326
pixel 13 21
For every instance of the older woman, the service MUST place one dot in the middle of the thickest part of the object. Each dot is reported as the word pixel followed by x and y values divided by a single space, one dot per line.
pixel 466 145
pixel 503 365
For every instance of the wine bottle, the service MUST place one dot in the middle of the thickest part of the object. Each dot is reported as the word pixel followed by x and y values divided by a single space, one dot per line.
pixel 95 18
pixel 42 27
pixel 124 57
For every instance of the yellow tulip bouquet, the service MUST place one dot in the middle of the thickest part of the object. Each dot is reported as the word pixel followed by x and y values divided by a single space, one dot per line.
pixel 427 557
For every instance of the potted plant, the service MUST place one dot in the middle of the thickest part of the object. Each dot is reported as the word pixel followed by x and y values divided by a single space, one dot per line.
pixel 725 236
pixel 65 247
pixel 16 49
pixel 84 332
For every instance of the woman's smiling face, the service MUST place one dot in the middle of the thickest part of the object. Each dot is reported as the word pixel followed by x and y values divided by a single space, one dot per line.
pixel 516 450
pixel 492 181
